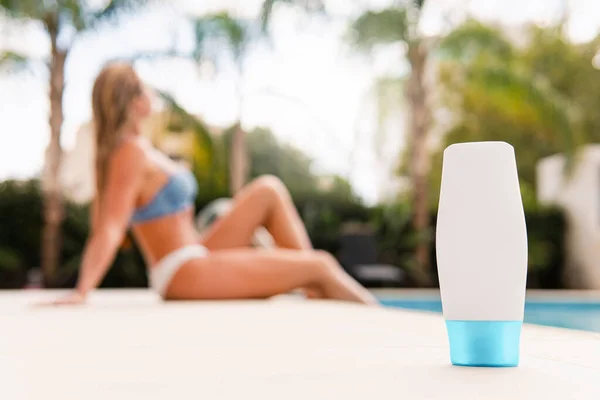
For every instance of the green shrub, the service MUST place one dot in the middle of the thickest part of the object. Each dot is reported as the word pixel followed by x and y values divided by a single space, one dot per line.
pixel 12 273
pixel 21 219
pixel 546 229
pixel 396 237
pixel 21 224
pixel 20 237
pixel 324 214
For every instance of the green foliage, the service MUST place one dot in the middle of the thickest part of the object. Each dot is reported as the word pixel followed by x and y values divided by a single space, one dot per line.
pixel 10 261
pixel 29 9
pixel 324 209
pixel 535 96
pixel 62 20
pixel 522 98
pixel 420 4
pixel 74 13
pixel 181 120
pixel 323 224
pixel 208 162
pixel 211 171
pixel 546 228
pixel 12 272
pixel 268 7
pixel 114 8
pixel 373 28
pixel 546 237
pixel 20 237
pixel 217 32
pixel 270 156
pixel 396 237
pixel 570 69
pixel 323 215
pixel 13 62
pixel 399 24
pixel 20 214
pixel 528 197
pixel 472 40
pixel 395 24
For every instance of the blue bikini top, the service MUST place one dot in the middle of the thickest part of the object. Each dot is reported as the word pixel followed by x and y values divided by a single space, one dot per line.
pixel 178 194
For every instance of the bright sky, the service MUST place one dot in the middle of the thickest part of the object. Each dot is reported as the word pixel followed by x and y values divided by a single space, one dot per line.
pixel 324 85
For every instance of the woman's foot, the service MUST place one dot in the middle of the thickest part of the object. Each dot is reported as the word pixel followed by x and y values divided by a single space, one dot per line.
pixel 338 284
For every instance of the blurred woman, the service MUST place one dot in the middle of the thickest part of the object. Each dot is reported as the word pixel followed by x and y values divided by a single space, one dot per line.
pixel 141 189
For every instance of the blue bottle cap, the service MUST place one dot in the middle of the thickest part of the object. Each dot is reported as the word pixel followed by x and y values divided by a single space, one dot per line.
pixel 484 343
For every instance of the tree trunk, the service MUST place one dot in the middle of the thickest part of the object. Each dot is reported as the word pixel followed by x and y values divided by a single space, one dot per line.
pixel 419 163
pixel 53 202
pixel 238 164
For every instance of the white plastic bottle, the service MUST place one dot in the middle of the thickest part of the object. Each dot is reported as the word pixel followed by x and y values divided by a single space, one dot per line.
pixel 481 245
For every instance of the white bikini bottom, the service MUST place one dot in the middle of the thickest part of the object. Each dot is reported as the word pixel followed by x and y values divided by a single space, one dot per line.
pixel 162 273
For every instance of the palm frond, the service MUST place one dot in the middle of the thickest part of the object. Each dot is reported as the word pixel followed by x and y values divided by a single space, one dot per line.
pixel 553 111
pixel 13 62
pixel 186 120
pixel 472 39
pixel 268 6
pixel 267 12
pixel 28 9
pixel 218 31
pixel 373 28
pixel 115 9
pixel 76 12
pixel 420 4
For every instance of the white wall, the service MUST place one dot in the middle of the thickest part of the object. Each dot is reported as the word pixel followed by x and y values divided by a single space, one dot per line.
pixel 77 168
pixel 579 196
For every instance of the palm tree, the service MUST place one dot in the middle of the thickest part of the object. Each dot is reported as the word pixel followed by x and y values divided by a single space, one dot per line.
pixel 393 25
pixel 475 53
pixel 60 18
pixel 397 23
pixel 225 33
pixel 222 32
pixel 215 34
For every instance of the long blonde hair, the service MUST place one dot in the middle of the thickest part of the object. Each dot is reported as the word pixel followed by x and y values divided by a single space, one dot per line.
pixel 115 88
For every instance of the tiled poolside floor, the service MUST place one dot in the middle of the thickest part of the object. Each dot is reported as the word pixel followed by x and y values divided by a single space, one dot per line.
pixel 126 345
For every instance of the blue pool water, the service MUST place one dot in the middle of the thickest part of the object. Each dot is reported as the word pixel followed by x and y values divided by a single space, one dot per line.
pixel 572 314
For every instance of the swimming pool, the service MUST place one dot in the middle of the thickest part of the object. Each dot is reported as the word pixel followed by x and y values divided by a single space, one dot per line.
pixel 572 314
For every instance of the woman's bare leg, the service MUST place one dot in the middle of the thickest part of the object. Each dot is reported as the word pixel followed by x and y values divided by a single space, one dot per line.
pixel 264 202
pixel 253 273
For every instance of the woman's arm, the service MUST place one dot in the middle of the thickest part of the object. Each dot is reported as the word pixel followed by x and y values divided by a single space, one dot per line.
pixel 111 215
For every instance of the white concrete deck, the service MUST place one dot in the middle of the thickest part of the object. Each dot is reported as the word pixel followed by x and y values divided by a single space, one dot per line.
pixel 126 345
